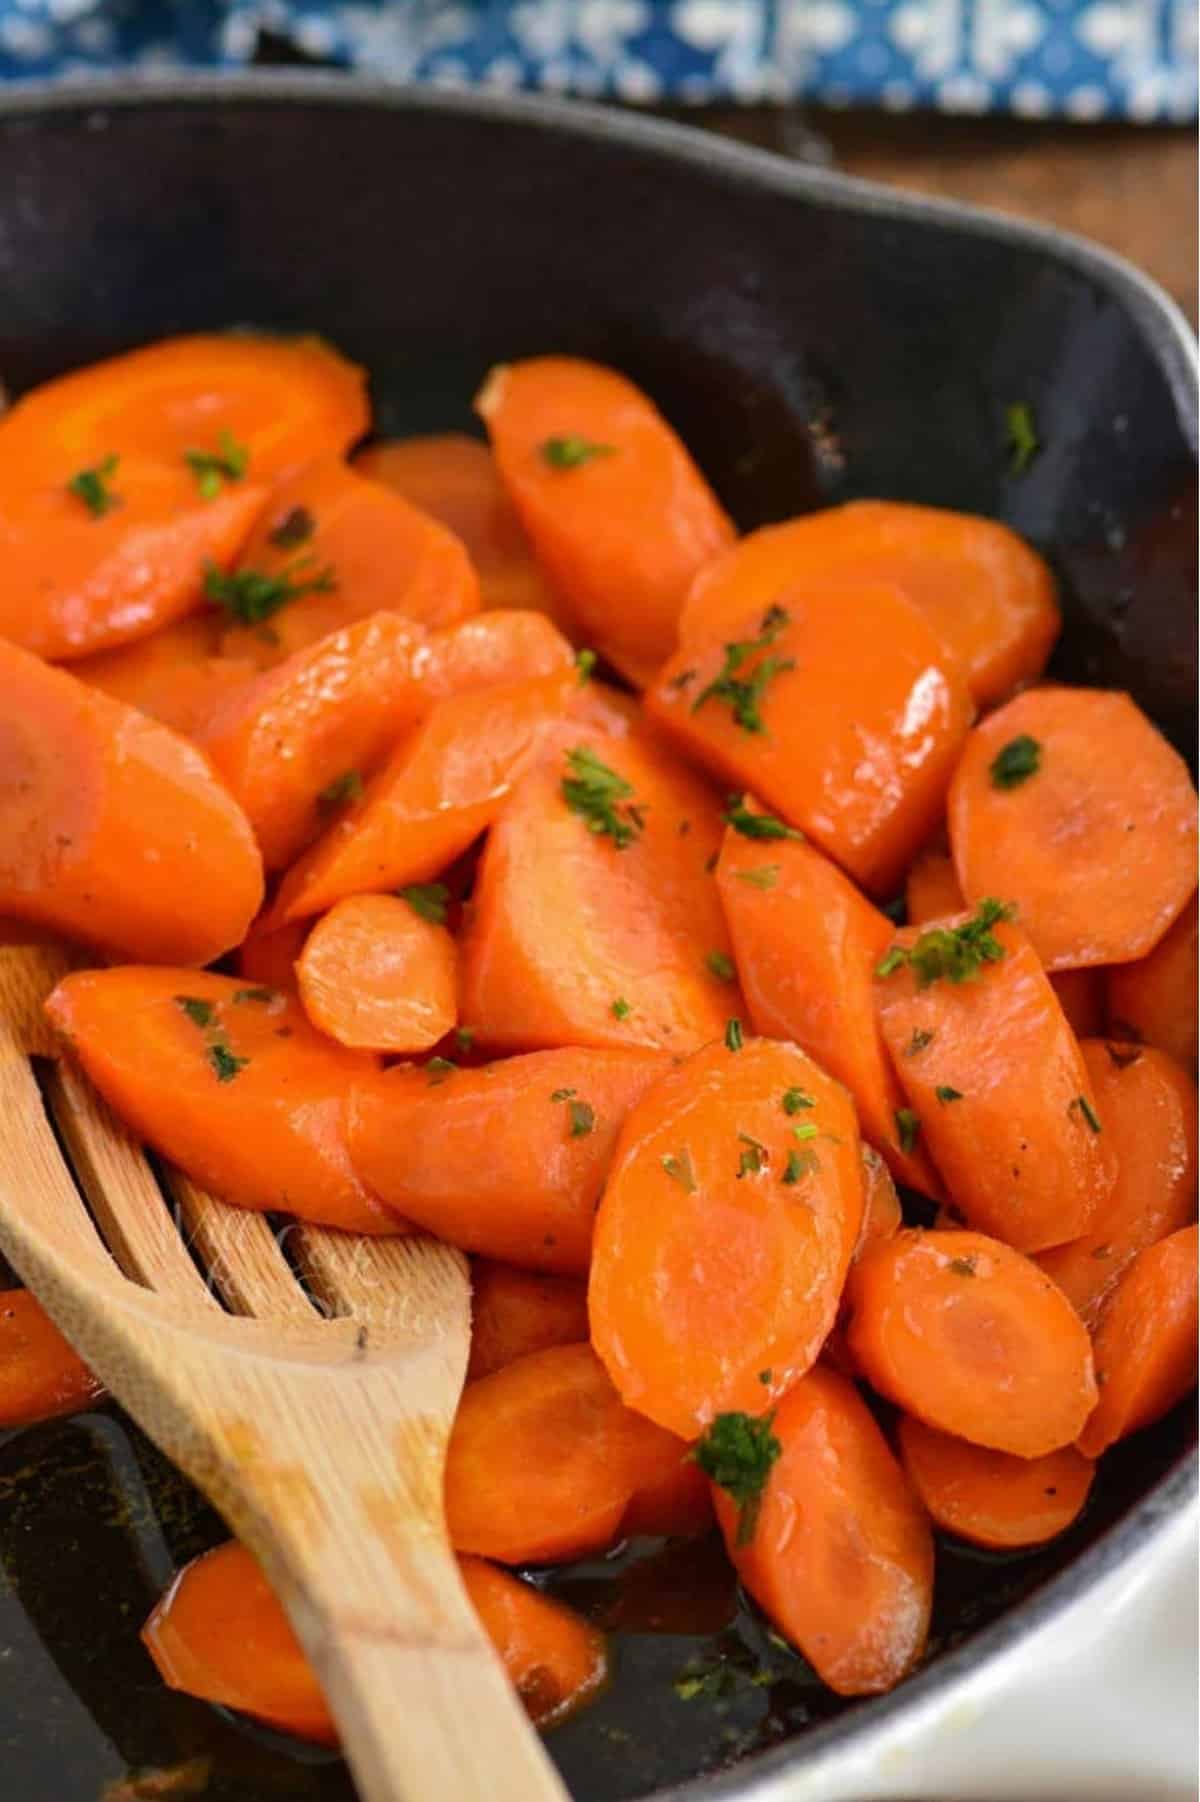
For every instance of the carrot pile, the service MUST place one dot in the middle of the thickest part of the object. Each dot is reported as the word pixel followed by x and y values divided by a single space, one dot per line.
pixel 484 840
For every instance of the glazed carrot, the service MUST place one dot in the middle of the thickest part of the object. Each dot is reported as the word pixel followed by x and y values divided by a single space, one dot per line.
pixel 378 975
pixel 997 1089
pixel 603 708
pixel 807 944
pixel 931 887
pixel 1148 1106
pixel 298 742
pixel 436 793
pixel 454 479
pixel 838 708
pixel 832 1544
pixel 491 648
pixel 268 959
pixel 727 1224
pixel 991 1498
pixel 1145 1343
pixel 595 920
pixel 882 1216
pixel 330 548
pixel 972 1338
pixel 1153 999
pixel 544 1458
pixel 556 1660
pixel 230 1083
pixel 509 1159
pixel 620 517
pixel 518 1311
pixel 112 829
pixel 1081 997
pixel 40 1375
pixel 1073 803
pixel 990 599
pixel 675 1502
pixel 174 675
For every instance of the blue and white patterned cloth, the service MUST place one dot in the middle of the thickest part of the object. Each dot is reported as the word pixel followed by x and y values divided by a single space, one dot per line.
pixel 1074 59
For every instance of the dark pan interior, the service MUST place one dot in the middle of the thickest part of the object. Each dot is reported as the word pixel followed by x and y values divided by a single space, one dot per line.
pixel 811 343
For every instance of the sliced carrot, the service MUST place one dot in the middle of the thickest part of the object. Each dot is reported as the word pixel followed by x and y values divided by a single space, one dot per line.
pixel 840 1555
pixel 556 1660
pixel 606 709
pixel 508 1159
pixel 807 944
pixel 731 1212
pixel 1081 997
pixel 882 1216
pixel 931 887
pixel 1096 844
pixel 991 1498
pixel 620 517
pixel 518 1311
pixel 377 976
pixel 1154 999
pixel 330 548
pixel 454 478
pixel 838 708
pixel 1146 1342
pixel 299 741
pixel 997 1088
pixel 544 1459
pixel 174 675
pixel 1148 1106
pixel 41 1376
pixel 114 830
pixel 230 1083
pixel 492 648
pixel 990 599
pixel 972 1338
pixel 674 1502
pixel 595 920
pixel 268 959
pixel 437 792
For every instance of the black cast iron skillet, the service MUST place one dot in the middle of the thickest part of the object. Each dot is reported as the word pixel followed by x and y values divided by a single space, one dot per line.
pixel 813 339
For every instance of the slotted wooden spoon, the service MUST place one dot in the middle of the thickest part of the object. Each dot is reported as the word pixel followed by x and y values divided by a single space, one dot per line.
pixel 320 1437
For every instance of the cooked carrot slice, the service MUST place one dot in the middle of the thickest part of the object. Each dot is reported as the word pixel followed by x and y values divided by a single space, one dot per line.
pixel 674 1502
pixel 1146 1342
pixel 518 1311
pixel 544 1459
pixel 436 793
pixel 1148 1106
pixel 230 1083
pixel 972 1338
pixel 731 1211
pixel 882 1216
pixel 509 1159
pixel 295 744
pixel 330 548
pixel 807 944
pixel 454 478
pixel 839 1552
pixel 491 648
pixel 1071 803
pixel 992 1498
pixel 1154 999
pixel 41 1376
pixel 604 708
pixel 268 959
pixel 838 709
pixel 990 599
pixel 377 976
pixel 595 919
pixel 174 675
pixel 620 517
pixel 556 1660
pixel 112 829
pixel 931 887
pixel 997 1088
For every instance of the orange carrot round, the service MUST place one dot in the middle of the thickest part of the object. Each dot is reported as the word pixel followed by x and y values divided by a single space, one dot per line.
pixel 1145 1344
pixel 268 959
pixel 491 648
pixel 518 1311
pixel 556 1661
pixel 673 1502
pixel 174 675
pixel 1153 999
pixel 931 887
pixel 1070 803
pixel 41 1376
pixel 377 976
pixel 972 1338
pixel 991 1498
pixel 731 1211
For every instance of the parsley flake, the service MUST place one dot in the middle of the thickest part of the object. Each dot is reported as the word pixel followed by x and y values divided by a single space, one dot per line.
pixel 346 787
pixel 464 1037
pixel 582 1118
pixel 734 1036
pixel 1015 762
pixel 601 797
pixel 223 1061
pixel 1084 1107
pixel 91 486
pixel 744 688
pixel 572 451
pixel 800 1163
pixel 962 1266
pixel 945 1093
pixel 720 966
pixel 764 876
pixel 1023 441
pixel 754 1159
pixel 956 953
pixel 621 1009
pixel 908 1128
pixel 294 529
pixel 251 596
pixel 755 825
pixel 264 996
pixel 796 1100
pixel 918 1042
pixel 439 1069
pixel 585 663
pixel 428 899
pixel 212 469
pixel 737 1453
pixel 681 1170
pixel 805 1132
pixel 200 1013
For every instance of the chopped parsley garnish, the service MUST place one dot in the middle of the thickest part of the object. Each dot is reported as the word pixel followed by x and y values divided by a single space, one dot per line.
pixel 561 1094
pixel 585 663
pixel 755 825
pixel 956 953
pixel 571 451
pixel 252 596
pixel 1088 1112
pixel 682 680
pixel 806 1132
pixel 744 688
pixel 945 1093
pixel 582 1117
pixel 464 1037
pixel 1023 441
pixel 294 529
pixel 200 1013
pixel 796 1100
pixel 737 1453
pixel 754 1158
pixel 720 966
pixel 766 1376
pixel 91 486
pixel 346 787
pixel 734 1037
pixel 621 1009
pixel 223 1061
pixel 962 1266
pixel 681 1170
pixel 438 1069
pixel 800 1163
pixel 908 1128
pixel 214 468
pixel 264 996
pixel 918 1042
pixel 764 875
pixel 601 797
pixel 1019 759
pixel 203 1014
pixel 429 899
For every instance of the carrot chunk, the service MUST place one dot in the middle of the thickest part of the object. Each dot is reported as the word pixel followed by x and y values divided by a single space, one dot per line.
pixel 230 1083
pixel 991 1498
pixel 972 1338
pixel 1146 1342
pixel 882 1216
pixel 836 707
pixel 113 830
pixel 509 1159
pixel 174 675
pixel 518 1311
pixel 41 1376
pixel 268 959
pixel 674 1502
pixel 491 648
pixel 377 976
pixel 990 599
pixel 839 1552
pixel 556 1660
pixel 1071 803
pixel 731 1211
pixel 619 516
pixel 997 1088
pixel 1154 998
